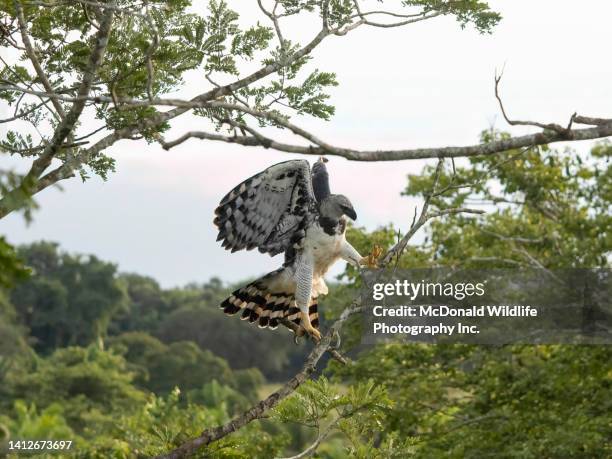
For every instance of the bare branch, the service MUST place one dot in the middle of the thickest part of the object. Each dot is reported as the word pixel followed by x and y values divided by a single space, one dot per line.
pixel 406 18
pixel 402 23
pixel 424 217
pixel 592 121
pixel 321 147
pixel 274 18
pixel 552 126
pixel 453 211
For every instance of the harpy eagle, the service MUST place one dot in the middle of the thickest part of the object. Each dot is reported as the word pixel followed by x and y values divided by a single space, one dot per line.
pixel 286 208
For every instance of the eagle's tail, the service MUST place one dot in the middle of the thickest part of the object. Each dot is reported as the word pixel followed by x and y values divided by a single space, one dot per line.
pixel 262 301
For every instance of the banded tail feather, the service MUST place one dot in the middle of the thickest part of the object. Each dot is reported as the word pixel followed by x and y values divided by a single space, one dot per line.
pixel 257 303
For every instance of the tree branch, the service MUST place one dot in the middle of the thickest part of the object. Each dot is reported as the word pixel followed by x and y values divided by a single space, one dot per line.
pixel 552 126
pixel 601 131
pixel 325 345
pixel 66 169
pixel 598 127
pixel 258 411
pixel 71 118
pixel 23 113
pixel 425 216
pixel 320 439
pixel 602 128
pixel 296 330
pixel 42 76
pixel 405 18
pixel 66 126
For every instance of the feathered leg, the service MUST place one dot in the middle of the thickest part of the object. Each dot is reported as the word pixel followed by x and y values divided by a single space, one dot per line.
pixel 303 291
pixel 350 255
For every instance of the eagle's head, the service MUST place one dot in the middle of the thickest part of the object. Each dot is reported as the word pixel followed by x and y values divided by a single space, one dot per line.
pixel 335 206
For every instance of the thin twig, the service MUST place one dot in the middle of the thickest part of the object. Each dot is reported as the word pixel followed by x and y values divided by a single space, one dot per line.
pixel 553 126
pixel 312 448
pixel 424 217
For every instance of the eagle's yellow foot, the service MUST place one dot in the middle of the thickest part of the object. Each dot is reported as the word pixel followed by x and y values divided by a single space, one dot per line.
pixel 305 323
pixel 371 260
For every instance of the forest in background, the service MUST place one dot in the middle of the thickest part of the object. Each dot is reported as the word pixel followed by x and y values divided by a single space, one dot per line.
pixel 127 369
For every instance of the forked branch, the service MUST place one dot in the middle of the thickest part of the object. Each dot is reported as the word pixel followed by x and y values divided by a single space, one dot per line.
pixel 259 410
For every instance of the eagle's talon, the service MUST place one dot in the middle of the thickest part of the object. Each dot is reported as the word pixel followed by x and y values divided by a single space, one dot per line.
pixel 371 260
pixel 307 326
pixel 337 340
pixel 315 335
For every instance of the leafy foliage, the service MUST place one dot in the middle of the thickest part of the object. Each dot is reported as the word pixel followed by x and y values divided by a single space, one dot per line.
pixel 151 49
pixel 88 382
pixel 466 11
pixel 174 365
pixel 518 401
pixel 163 367
pixel 164 423
pixel 12 268
pixel 28 422
pixel 356 413
pixel 551 206
pixel 545 208
pixel 71 299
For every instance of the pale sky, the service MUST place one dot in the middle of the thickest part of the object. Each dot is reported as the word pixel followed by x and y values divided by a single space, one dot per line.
pixel 428 84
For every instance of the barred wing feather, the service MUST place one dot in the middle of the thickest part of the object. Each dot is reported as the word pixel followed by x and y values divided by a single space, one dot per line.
pixel 269 211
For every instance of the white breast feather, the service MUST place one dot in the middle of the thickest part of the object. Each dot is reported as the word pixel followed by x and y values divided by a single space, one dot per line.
pixel 323 248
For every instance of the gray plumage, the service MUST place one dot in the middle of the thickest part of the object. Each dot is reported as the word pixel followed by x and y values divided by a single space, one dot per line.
pixel 268 211
pixel 320 180
pixel 286 208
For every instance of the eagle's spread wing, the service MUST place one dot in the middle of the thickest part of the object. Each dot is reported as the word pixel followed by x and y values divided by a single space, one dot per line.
pixel 269 211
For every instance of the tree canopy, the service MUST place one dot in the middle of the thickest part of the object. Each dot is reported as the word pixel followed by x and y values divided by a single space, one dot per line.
pixel 158 382
pixel 84 75
pixel 126 368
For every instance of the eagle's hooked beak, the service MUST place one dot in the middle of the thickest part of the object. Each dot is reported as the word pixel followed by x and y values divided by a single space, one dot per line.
pixel 350 212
